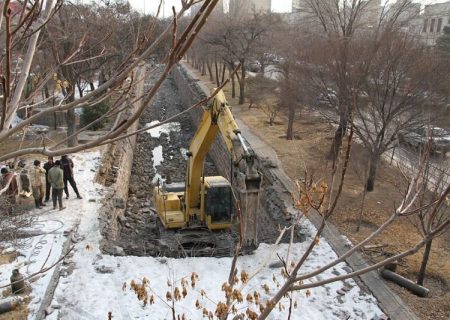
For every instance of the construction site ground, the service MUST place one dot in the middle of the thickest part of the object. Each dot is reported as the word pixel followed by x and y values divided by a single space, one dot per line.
pixel 161 153
pixel 307 153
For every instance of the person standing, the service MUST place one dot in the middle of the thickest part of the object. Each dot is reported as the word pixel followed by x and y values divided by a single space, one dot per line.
pixel 67 167
pixel 37 184
pixel 47 166
pixel 9 183
pixel 56 179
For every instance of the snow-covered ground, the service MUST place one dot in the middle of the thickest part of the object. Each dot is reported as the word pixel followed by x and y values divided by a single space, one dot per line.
pixel 96 285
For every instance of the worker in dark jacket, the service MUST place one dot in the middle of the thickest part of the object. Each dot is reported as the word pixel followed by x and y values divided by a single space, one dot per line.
pixel 67 167
pixel 47 166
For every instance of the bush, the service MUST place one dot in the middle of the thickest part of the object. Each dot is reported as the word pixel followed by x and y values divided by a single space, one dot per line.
pixel 91 114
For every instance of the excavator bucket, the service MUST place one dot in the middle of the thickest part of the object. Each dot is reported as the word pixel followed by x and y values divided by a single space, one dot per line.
pixel 249 204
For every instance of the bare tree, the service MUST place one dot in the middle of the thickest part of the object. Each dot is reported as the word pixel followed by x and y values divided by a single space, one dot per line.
pixel 13 220
pixel 237 39
pixel 259 93
pixel 365 71
pixel 338 22
pixel 428 217
pixel 338 25
pixel 144 47
pixel 293 44
pixel 78 29
pixel 392 95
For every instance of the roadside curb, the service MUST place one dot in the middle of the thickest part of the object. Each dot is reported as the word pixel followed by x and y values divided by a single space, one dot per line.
pixel 53 284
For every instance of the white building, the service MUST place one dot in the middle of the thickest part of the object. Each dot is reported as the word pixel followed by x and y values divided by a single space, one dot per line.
pixel 435 17
pixel 370 14
pixel 297 5
pixel 244 7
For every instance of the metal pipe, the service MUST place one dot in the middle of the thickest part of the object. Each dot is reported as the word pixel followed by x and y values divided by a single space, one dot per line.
pixel 241 139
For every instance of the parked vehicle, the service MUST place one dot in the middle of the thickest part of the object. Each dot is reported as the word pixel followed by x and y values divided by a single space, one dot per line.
pixel 328 98
pixel 419 138
pixel 254 66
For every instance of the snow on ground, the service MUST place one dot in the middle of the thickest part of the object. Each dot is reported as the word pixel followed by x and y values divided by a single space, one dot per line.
pixel 164 128
pixel 95 287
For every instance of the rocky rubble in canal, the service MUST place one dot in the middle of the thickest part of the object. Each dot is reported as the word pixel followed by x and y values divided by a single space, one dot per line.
pixel 160 154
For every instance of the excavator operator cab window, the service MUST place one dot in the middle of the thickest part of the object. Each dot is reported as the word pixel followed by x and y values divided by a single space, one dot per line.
pixel 219 204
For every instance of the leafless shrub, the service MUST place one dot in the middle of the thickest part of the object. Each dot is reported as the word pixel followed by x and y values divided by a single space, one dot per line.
pixel 13 219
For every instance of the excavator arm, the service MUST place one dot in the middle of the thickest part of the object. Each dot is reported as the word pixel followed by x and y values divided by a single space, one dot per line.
pixel 217 118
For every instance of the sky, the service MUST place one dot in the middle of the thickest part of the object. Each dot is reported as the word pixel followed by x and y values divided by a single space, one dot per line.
pixel 150 6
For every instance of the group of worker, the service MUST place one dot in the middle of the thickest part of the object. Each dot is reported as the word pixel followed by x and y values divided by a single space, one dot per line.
pixel 54 176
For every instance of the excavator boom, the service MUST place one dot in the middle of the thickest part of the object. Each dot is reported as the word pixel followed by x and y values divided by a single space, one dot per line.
pixel 209 200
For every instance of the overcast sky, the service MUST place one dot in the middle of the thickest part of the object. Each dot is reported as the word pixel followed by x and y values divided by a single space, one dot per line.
pixel 150 6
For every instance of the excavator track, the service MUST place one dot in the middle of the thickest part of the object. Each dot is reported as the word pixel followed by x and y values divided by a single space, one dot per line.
pixel 195 242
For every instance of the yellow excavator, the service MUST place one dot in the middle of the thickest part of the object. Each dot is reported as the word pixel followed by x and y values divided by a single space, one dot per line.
pixel 211 201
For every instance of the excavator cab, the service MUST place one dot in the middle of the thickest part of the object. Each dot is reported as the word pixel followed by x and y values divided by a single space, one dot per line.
pixel 218 205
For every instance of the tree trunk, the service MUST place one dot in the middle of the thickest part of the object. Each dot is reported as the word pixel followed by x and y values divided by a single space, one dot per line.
pixel 71 128
pixel 80 90
pixel 203 68
pixel 224 69
pixel 373 166
pixel 91 85
pixel 216 67
pixel 290 127
pixel 46 92
pixel 338 137
pixel 211 77
pixel 406 283
pixel 55 123
pixel 68 74
pixel 102 78
pixel 233 84
pixel 361 209
pixel 423 266
pixel 242 84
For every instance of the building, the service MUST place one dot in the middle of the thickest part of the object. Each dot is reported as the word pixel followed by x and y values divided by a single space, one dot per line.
pixel 196 7
pixel 434 18
pixel 297 5
pixel 370 14
pixel 246 7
